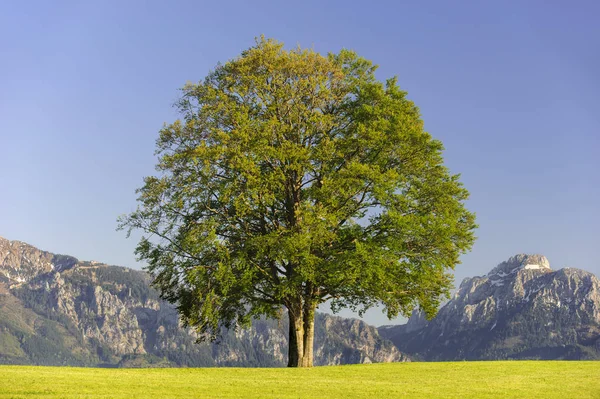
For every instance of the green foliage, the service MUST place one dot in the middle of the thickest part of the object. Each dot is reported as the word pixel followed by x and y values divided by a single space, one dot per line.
pixel 513 379
pixel 10 347
pixel 51 344
pixel 292 179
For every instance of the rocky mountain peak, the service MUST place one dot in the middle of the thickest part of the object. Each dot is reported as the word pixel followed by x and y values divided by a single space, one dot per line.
pixel 520 309
pixel 21 262
pixel 520 262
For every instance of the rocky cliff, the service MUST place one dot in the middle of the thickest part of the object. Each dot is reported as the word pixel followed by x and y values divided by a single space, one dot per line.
pixel 521 309
pixel 57 310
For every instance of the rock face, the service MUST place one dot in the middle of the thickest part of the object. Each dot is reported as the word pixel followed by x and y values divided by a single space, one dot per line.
pixel 20 262
pixel 521 309
pixel 344 341
pixel 56 310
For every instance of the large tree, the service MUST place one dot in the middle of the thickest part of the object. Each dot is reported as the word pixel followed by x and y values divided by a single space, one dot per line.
pixel 293 179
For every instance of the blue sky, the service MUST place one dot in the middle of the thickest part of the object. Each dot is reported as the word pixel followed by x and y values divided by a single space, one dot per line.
pixel 512 89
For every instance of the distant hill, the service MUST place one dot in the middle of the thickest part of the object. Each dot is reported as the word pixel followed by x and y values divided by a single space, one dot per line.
pixel 57 310
pixel 522 309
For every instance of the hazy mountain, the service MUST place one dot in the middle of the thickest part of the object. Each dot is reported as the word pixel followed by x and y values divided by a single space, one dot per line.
pixel 56 310
pixel 521 309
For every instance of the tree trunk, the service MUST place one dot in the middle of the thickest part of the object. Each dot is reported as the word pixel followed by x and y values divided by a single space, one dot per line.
pixel 296 338
pixel 309 334
pixel 301 335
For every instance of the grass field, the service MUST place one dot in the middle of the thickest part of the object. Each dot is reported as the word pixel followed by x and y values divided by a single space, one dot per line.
pixel 529 379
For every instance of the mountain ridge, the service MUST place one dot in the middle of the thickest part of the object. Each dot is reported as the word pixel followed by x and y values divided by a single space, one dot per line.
pixel 57 310
pixel 521 309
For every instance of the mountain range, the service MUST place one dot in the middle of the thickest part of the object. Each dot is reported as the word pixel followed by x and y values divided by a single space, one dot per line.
pixel 57 310
pixel 522 309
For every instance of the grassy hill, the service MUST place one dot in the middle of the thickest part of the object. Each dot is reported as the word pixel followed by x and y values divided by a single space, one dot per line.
pixel 506 379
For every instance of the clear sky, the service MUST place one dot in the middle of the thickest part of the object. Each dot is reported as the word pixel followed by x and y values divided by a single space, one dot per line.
pixel 512 88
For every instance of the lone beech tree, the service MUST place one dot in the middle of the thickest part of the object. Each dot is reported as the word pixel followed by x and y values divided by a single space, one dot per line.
pixel 293 179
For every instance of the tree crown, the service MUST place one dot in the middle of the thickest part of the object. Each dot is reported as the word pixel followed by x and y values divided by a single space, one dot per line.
pixel 293 176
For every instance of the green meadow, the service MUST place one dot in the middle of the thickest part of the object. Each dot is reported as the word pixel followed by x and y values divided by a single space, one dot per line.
pixel 503 379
